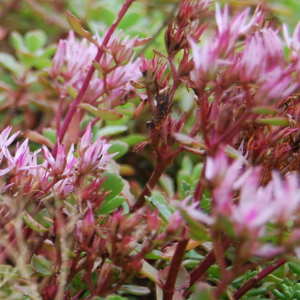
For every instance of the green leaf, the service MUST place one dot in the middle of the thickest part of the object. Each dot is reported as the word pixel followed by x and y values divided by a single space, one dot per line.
pixel 183 175
pixel 111 205
pixel 150 272
pixel 72 92
pixel 185 189
pixel 190 263
pixel 31 223
pixel 197 171
pixel 205 203
pixel 76 25
pixel 197 231
pixel 264 110
pixel 119 147
pixel 295 267
pixel 112 130
pixel 113 183
pixel 203 292
pixel 160 202
pixel 102 113
pixel 135 290
pixel 10 63
pixel 133 139
pixel 17 41
pixel 274 121
pixel 167 183
pixel 35 40
pixel 115 297
pixel 50 133
pixel 214 271
pixel 154 254
pixel 129 20
pixel 256 292
pixel 41 265
pixel 7 271
pixel 107 15
pixel 187 164
pixel 42 216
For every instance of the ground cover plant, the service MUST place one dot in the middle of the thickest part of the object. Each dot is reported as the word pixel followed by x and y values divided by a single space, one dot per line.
pixel 159 168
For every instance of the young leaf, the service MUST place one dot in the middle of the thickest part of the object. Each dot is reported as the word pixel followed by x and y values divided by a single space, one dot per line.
pixel 264 110
pixel 113 183
pixel 111 205
pixel 41 265
pixel 10 63
pixel 7 271
pixel 274 121
pixel 135 290
pixel 112 130
pixel 102 113
pixel 119 147
pixel 32 224
pixel 35 40
pixel 77 27
pixel 160 202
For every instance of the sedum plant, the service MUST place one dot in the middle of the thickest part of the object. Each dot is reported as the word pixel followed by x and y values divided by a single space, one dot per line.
pixel 175 176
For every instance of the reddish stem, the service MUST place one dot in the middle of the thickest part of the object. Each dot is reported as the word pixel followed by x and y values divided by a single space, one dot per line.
pixel 89 75
pixel 174 269
pixel 251 283
pixel 159 169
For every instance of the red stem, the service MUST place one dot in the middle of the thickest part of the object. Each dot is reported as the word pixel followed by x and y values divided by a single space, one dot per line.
pixel 89 75
pixel 251 283
pixel 159 169
pixel 174 269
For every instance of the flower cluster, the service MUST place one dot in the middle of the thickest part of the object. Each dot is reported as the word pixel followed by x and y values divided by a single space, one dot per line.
pixel 249 207
pixel 73 60
pixel 62 172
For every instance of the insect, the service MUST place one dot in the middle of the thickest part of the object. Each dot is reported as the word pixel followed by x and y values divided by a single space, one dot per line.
pixel 163 104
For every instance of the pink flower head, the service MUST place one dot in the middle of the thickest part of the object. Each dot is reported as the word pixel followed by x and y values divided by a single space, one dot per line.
pixel 229 32
pixel 286 198
pixel 4 140
pixel 85 228
pixel 263 53
pixel 206 61
pixel 294 42
pixel 62 164
pixel 92 156
pixel 152 69
pixel 57 165
pixel 58 59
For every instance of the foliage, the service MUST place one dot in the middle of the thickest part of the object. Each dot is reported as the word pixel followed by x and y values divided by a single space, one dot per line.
pixel 159 168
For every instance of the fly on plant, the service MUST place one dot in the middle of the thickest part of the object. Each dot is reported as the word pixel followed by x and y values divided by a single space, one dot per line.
pixel 164 106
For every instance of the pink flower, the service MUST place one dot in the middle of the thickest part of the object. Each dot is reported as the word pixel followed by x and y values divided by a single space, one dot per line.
pixel 206 61
pixel 4 140
pixel 92 156
pixel 286 197
pixel 85 228
pixel 62 164
pixel 263 53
